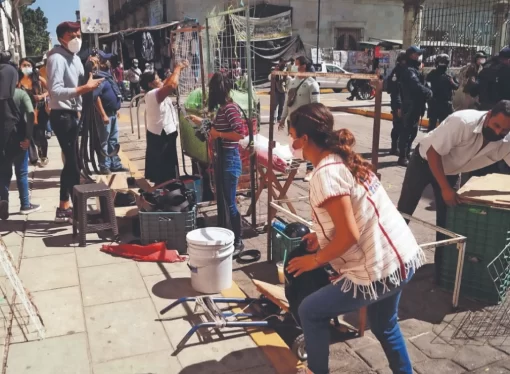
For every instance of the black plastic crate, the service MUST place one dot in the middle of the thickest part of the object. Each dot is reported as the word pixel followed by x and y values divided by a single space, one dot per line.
pixel 168 227
pixel 281 242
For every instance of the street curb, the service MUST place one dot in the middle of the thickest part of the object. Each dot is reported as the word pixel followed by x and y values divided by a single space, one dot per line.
pixel 384 115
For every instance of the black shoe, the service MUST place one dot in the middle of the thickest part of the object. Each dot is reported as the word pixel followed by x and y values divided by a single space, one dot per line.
pixel 403 161
pixel 30 209
pixel 64 215
pixel 105 171
pixel 394 150
pixel 350 98
pixel 4 209
pixel 122 169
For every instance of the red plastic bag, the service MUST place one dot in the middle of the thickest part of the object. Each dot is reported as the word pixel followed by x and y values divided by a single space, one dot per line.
pixel 156 252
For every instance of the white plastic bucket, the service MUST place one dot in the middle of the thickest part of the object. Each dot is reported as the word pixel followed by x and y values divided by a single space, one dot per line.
pixel 210 259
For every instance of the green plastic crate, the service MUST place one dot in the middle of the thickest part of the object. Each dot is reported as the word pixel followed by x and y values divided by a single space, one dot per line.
pixel 281 242
pixel 487 232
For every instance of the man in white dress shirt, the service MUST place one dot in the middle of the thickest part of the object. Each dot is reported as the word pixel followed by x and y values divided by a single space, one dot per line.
pixel 467 140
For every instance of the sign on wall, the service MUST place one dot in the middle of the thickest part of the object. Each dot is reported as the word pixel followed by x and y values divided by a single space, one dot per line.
pixel 156 13
pixel 94 16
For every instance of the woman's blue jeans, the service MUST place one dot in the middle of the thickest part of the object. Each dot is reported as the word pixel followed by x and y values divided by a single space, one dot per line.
pixel 231 174
pixel 20 164
pixel 317 310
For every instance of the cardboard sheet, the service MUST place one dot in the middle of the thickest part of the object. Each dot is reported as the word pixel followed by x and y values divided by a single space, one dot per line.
pixel 492 189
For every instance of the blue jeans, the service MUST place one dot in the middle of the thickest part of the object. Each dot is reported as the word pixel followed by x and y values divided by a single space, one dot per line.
pixel 48 126
pixel 20 163
pixel 317 310
pixel 231 174
pixel 109 138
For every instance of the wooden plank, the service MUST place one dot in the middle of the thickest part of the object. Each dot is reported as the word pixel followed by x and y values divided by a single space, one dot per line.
pixel 273 346
pixel 273 292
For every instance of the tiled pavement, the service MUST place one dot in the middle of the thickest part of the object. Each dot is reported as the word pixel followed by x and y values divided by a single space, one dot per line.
pixel 100 311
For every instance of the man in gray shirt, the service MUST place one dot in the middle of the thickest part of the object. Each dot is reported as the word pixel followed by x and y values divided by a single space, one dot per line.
pixel 65 71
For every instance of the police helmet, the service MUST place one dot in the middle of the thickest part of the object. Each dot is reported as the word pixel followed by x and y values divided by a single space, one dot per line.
pixel 480 54
pixel 442 59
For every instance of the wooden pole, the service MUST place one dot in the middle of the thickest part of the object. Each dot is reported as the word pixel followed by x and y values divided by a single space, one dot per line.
pixel 376 133
pixel 202 70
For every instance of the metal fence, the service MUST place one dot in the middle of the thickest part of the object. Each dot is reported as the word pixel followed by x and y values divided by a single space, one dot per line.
pixel 462 27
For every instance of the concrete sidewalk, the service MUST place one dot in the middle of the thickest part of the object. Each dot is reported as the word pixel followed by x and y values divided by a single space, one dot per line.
pixel 100 311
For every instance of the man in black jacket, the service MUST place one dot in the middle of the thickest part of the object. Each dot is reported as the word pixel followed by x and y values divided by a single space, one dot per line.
pixel 414 97
pixel 443 85
pixel 393 88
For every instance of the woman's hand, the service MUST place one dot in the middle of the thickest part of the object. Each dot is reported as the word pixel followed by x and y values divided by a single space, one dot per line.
pixel 300 265
pixel 214 134
pixel 312 242
pixel 195 119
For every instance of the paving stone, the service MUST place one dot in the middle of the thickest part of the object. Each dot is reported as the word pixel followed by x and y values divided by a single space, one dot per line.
pixel 35 247
pixel 64 354
pixel 341 358
pixel 92 256
pixel 152 268
pixel 61 311
pixel 473 357
pixel 11 238
pixel 124 329
pixel 365 341
pixel 49 272
pixel 413 327
pixel 375 357
pixel 437 366
pixel 158 362
pixel 15 253
pixel 501 367
pixel 433 346
pixel 111 283
pixel 501 343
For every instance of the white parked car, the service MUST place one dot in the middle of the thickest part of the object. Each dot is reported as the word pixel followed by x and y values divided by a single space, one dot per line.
pixel 337 84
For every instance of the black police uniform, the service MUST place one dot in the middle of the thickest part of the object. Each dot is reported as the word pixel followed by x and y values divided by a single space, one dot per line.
pixel 414 96
pixel 440 106
pixel 395 91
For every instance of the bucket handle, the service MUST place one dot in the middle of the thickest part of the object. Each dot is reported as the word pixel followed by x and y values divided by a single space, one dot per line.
pixel 194 269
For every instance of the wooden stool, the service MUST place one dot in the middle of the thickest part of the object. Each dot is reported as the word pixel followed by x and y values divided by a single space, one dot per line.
pixel 83 192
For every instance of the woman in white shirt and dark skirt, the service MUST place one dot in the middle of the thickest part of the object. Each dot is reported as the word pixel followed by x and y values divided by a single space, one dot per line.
pixel 359 232
pixel 161 160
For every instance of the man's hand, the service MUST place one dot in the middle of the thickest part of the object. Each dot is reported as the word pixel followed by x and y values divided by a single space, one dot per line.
pixel 183 64
pixel 38 98
pixel 25 144
pixel 281 125
pixel 106 120
pixel 399 113
pixel 312 242
pixel 450 196
pixel 92 83
pixel 214 134
pixel 195 119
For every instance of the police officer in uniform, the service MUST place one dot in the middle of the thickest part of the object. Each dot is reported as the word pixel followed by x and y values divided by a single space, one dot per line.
pixel 393 88
pixel 443 85
pixel 414 97
pixel 493 83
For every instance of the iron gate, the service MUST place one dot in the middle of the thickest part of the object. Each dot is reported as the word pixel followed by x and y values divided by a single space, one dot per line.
pixel 462 27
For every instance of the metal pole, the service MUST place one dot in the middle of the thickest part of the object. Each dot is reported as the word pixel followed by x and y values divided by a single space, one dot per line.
pixel 202 72
pixel 207 35
pixel 96 41
pixel 318 28
pixel 270 210
pixel 250 116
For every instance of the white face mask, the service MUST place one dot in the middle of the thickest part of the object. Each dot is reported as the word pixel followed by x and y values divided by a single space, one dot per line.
pixel 481 61
pixel 74 45
pixel 27 71
pixel 296 153
pixel 294 69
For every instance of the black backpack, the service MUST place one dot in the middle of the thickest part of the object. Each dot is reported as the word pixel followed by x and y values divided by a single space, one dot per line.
pixel 12 130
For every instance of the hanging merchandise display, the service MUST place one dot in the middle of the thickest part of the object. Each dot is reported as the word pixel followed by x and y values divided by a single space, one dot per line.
pixel 147 46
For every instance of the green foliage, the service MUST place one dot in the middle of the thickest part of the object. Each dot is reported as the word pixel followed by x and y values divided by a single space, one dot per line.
pixel 37 37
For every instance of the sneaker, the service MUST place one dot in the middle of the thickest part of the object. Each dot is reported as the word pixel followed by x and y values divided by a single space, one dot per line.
pixel 120 169
pixel 30 209
pixel 105 171
pixel 402 161
pixel 64 215
pixel 44 161
pixel 238 248
pixel 48 135
pixel 4 209
pixel 350 98
pixel 308 177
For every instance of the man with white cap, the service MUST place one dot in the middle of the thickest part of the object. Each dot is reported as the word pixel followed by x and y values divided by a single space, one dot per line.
pixel 134 75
